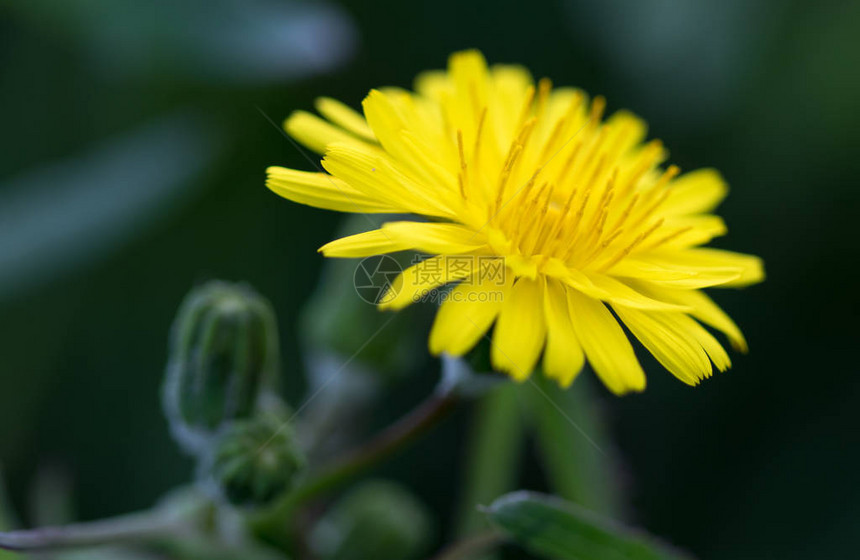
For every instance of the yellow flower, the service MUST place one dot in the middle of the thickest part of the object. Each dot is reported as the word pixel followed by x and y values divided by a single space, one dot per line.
pixel 577 213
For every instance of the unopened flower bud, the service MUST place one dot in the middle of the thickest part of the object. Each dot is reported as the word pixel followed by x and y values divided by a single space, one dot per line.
pixel 252 462
pixel 223 358
pixel 379 520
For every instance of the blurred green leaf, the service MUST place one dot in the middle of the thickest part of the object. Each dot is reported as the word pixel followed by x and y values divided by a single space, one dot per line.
pixel 231 41
pixel 574 446
pixel 69 213
pixel 659 48
pixel 494 454
pixel 552 528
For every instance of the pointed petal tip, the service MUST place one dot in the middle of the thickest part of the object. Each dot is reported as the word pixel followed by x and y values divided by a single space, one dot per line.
pixel 503 364
pixel 628 387
pixel 434 347
pixel 292 118
pixel 393 303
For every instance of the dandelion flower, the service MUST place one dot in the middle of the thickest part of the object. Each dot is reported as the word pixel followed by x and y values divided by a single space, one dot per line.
pixel 588 228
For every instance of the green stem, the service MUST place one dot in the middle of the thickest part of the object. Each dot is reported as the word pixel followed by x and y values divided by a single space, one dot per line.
pixel 392 439
pixel 493 455
pixel 132 527
pixel 470 547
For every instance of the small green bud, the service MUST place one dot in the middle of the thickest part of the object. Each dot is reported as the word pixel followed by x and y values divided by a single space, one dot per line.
pixel 223 358
pixel 252 462
pixel 379 519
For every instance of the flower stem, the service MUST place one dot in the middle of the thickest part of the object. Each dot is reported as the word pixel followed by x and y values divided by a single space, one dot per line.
pixel 399 435
pixel 392 439
pixel 125 528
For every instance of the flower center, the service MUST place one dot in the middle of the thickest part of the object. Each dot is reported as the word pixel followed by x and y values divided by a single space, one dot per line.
pixel 569 187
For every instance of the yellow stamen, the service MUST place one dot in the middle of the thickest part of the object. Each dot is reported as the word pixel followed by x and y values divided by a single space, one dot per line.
pixel 626 251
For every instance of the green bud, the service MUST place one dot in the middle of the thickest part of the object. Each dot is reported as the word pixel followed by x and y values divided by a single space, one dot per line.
pixel 253 462
pixel 223 359
pixel 379 519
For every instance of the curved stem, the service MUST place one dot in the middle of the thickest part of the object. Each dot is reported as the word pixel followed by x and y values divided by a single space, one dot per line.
pixel 132 527
pixel 392 439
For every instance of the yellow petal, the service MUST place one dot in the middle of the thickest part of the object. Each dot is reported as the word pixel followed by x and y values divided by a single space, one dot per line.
pixel 675 273
pixel 702 308
pixel 704 261
pixel 315 133
pixel 389 113
pixel 606 346
pixel 433 84
pixel 378 178
pixel 668 336
pixel 520 331
pixel 466 315
pixel 522 266
pixel 429 166
pixel 563 358
pixel 712 347
pixel 428 237
pixel 468 69
pixel 417 281
pixel 620 293
pixel 551 134
pixel 705 310
pixel 605 288
pixel 694 230
pixel 375 242
pixel 629 129
pixel 459 243
pixel 321 190
pixel 346 118
pixel 512 85
pixel 698 191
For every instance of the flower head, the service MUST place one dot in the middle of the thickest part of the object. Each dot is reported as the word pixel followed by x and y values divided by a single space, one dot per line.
pixel 573 220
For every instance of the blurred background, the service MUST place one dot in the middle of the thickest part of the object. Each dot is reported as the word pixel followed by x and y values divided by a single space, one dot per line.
pixel 134 142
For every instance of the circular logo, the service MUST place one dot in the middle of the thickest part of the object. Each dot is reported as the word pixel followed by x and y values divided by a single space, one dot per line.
pixel 374 278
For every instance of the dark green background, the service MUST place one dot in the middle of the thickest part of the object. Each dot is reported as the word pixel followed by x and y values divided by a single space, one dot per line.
pixel 759 462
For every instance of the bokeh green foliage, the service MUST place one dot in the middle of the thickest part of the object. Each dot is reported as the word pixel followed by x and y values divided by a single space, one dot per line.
pixel 337 320
pixel 376 519
pixel 764 91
